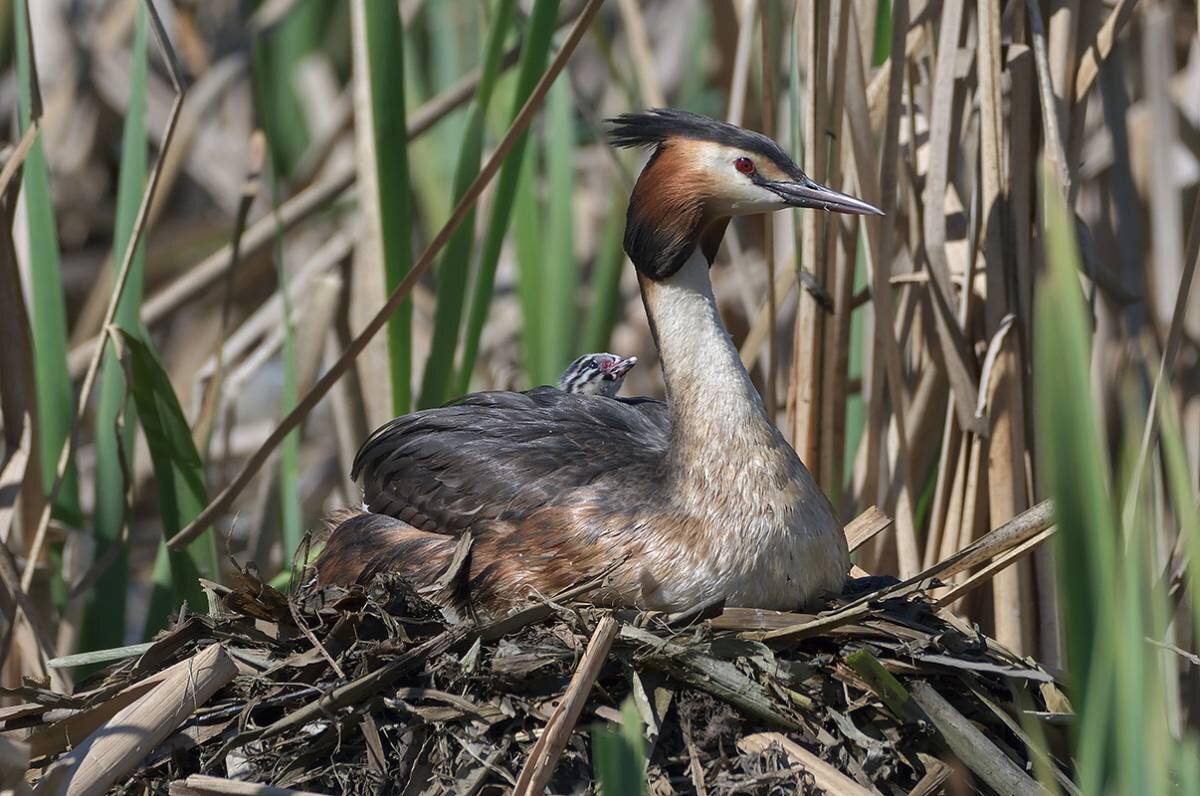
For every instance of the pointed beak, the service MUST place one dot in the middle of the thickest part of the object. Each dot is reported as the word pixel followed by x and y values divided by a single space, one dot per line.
pixel 623 366
pixel 807 193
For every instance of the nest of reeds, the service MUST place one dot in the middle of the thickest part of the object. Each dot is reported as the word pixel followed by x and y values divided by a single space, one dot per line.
pixel 372 690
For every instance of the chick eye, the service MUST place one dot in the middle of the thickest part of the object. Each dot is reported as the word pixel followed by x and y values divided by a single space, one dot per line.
pixel 744 165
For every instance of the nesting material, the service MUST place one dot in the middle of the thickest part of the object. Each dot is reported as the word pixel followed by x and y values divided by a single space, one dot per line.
pixel 372 690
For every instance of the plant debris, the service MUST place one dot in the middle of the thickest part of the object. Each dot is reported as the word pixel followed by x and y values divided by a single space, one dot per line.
pixel 372 690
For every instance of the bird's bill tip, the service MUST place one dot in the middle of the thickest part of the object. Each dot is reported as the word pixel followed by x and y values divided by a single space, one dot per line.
pixel 813 195
pixel 623 366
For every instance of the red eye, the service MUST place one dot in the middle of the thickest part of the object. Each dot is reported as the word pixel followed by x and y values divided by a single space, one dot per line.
pixel 744 165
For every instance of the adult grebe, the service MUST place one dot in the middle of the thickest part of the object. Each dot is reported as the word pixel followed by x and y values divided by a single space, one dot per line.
pixel 687 503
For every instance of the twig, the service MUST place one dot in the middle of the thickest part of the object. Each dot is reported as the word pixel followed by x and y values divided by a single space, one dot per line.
pixel 544 757
pixel 203 785
pixel 322 386
pixel 1019 529
pixel 973 747
pixel 866 526
pixel 998 565
pixel 825 777
pixel 1101 46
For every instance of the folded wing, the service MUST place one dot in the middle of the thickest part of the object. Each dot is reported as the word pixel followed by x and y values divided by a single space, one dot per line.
pixel 502 455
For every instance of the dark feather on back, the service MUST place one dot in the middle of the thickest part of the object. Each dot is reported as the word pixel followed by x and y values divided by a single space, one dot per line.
pixel 502 455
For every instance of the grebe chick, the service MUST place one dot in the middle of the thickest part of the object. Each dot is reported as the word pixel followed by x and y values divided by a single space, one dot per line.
pixel 682 503
pixel 596 374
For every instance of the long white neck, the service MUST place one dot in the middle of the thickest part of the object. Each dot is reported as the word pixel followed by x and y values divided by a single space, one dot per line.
pixel 717 415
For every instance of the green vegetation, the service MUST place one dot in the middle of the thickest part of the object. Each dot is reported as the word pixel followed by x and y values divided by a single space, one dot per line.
pixel 1048 294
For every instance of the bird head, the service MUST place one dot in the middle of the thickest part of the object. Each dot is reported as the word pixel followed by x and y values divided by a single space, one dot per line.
pixel 596 374
pixel 701 173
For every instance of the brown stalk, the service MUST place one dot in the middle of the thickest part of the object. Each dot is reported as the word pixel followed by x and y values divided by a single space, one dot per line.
pixel 947 465
pixel 806 363
pixel 1100 47
pixel 999 564
pixel 885 317
pixel 549 747
pixel 769 64
pixel 19 412
pixel 638 42
pixel 971 746
pixel 866 526
pixel 121 743
pixel 954 346
pixel 1062 26
pixel 1051 125
pixel 838 250
pixel 825 777
pixel 205 785
pixel 322 386
pixel 1006 417
pixel 865 169
pixel 741 63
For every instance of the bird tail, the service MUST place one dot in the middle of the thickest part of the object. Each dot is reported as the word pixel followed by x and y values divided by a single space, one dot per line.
pixel 364 544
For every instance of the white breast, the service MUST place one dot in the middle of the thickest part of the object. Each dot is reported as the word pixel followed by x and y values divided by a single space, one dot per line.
pixel 770 538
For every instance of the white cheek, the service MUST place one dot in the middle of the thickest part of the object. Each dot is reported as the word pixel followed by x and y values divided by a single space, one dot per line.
pixel 747 198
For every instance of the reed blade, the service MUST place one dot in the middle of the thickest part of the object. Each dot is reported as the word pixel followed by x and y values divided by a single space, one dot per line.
pixel 104 617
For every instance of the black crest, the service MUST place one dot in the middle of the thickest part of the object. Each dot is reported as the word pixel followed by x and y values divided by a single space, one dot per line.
pixel 655 126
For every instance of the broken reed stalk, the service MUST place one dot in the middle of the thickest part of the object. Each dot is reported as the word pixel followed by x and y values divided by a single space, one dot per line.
pixel 866 526
pixel 58 737
pixel 971 746
pixel 998 564
pixel 1098 50
pixel 335 371
pixel 1019 529
pixel 204 785
pixel 825 777
pixel 1016 531
pixel 540 766
pixel 116 748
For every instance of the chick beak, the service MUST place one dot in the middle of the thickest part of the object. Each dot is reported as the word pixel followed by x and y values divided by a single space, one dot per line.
pixel 805 192
pixel 622 366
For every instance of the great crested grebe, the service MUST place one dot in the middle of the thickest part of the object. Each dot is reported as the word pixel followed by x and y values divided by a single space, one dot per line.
pixel 596 374
pixel 684 503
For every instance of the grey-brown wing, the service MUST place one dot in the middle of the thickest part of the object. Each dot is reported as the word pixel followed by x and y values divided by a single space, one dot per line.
pixel 500 455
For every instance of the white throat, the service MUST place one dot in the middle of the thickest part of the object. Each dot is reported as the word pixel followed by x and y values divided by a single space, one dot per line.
pixel 712 400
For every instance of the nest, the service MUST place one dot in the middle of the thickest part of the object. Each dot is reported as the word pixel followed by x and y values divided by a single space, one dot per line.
pixel 374 691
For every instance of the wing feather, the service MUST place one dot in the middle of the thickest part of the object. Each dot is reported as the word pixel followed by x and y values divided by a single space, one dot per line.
pixel 502 455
